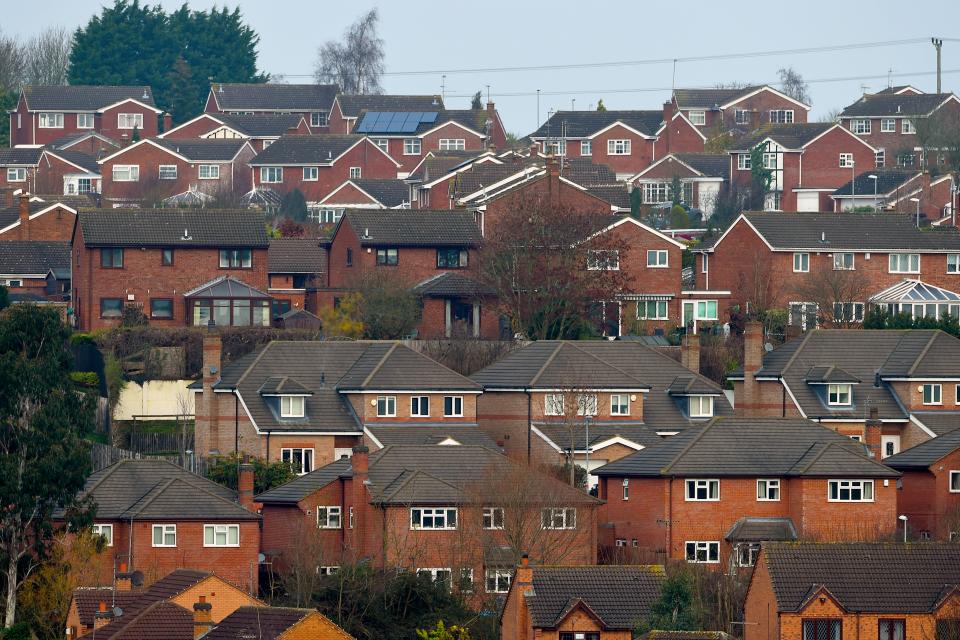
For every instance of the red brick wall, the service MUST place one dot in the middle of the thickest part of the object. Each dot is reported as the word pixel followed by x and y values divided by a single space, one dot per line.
pixel 760 106
pixel 195 129
pixel 895 142
pixel 760 615
pixel 338 124
pixel 547 189
pixel 30 184
pixel 927 501
pixel 679 136
pixel 55 225
pixel 349 195
pixel 105 123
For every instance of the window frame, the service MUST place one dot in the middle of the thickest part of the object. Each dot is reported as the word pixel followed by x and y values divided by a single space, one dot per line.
pixel 434 513
pixel 388 404
pixel 165 529
pixel 331 513
pixel 744 162
pixel 850 486
pixel 462 258
pixel 888 125
pixel 18 171
pixel 119 313
pixel 587 404
pixel 235 258
pixel 456 406
pixel 907 127
pixel 955 265
pixel 891 633
pixel 417 404
pixel 132 171
pixel 843 267
pixel 898 267
pixel 769 485
pixel 615 407
pixel 497 575
pixel 356 173
pixel 412 146
pixel 741 116
pixel 322 118
pixel 954 473
pixel 164 262
pixel 698 484
pixel 619 147
pixel 171 175
pixel 836 392
pixel 698 117
pixel 153 313
pixel 287 456
pixel 861 126
pixel 603 260
pixel 586 147
pixel 804 259
pixel 784 116
pixel 382 143
pixel 936 394
pixel 123 121
pixel 290 411
pixel 490 515
pixel 846 161
pixel 98 529
pixel 625 486
pixel 43 120
pixel 700 400
pixel 112 262
pixel 710 548
pixel 567 514
pixel 452 144
pixel 657 255
pixel 87 117
pixel 226 532
pixel 831 622
pixel 271 175
pixel 208 167
pixel 387 256
pixel 551 407
pixel 657 308
pixel 880 157
pixel 311 174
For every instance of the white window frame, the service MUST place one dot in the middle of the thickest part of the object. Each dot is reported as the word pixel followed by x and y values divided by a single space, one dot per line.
pixel 412 146
pixel 132 171
pixel 618 147
pixel 935 393
pixel 456 406
pixel 656 192
pixel 452 144
pixel 698 117
pixel 105 531
pixel 888 125
pixel 842 262
pixel 382 143
pixel 556 518
pixel 417 406
pixel 702 310
pixel 328 570
pixel 84 118
pixel 330 517
pixel 953 258
pixel 848 311
pixel 850 485
pixel 435 574
pixel 491 517
pixel 661 310
pixel 586 147
pixel 553 404
pixel 292 406
pixel 386 406
pixel 700 406
pixel 356 173
pixel 860 126
pixel 286 455
pixel 224 529
pixel 954 487
pixel 625 486
pixel 319 118
pixel 839 395
pixel 698 485
pixel 311 174
pixel 658 259
pixel 586 404
pixel 767 487
pixel 801 262
pixel 617 402
pixel 123 121
pixel 709 548
pixel 554 146
pixel 436 514
pixel 19 174
pixel 165 530
pixel 743 162
pixel 271 175
pixel 752 550
pixel 44 118
pixel 895 262
pixel 212 171
pixel 907 127
pixel 846 161
pixel 741 116
pixel 880 157
pixel 501 579
pixel 170 169
pixel 783 116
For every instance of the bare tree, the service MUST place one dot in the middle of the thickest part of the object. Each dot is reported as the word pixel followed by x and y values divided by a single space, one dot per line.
pixel 831 116
pixel 48 57
pixel 837 292
pixel 793 85
pixel 938 137
pixel 356 63
pixel 12 63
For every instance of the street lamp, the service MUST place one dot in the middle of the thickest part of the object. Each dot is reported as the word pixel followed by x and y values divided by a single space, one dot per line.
pixel 917 200
pixel 903 519
pixel 874 178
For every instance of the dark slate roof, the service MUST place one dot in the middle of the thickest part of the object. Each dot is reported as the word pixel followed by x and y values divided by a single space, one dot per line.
pixel 88 162
pixel 279 97
pixel 439 163
pixel 635 432
pixel 391 366
pixel 926 453
pixel 484 174
pixel 583 124
pixel 452 285
pixel 716 165
pixel 614 194
pixel 260 623
pixel 863 576
pixel 620 596
pixel 160 490
pixel 72 138
pixel 33 257
pixel 260 125
pixel 226 287
pixel 88 601
pixel 830 374
pixel 412 227
pixel 762 530
pixel 691 385
pixel 203 149
pixel 83 97
pixel 303 486
pixel 888 181
pixel 388 192
pixel 283 385
pixel 908 104
pixel 759 447
pixel 10 215
pixel 20 156
pixel 473 119
pixel 940 422
pixel 424 434
pixel 166 227
pixel 296 255
pixel 353 105
pixel 297 149
pixel 586 172
pixel 789 136
pixel 708 98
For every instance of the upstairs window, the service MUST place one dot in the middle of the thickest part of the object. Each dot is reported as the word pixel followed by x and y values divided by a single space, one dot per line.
pixel 846 160
pixel 587 404
pixel 743 161
pixel 558 518
pixel 822 629
pixel 420 407
pixel 411 147
pixel 698 118
pixel 904 263
pixel 493 518
pixel 907 126
pixel 850 490
pixel 626 488
pixel 701 406
pixel 168 172
pixel 130 121
pixel 111 258
pixel 164 535
pixel 860 127
pixel 271 175
pixel 768 490
pixel 619 404
pixel 329 517
pixel 319 119
pixel 781 116
pixel 388 256
pixel 382 143
pixel 291 406
pixel 702 490
pixel 452 144
pixel 452 258
pixel 236 258
pixel 436 518
pixel 355 173
pixel 51 120
pixel 310 174
pixel 555 147
pixel 843 262
pixel 603 260
pixel 932 394
pixel 221 535
pixel 741 116
pixel 953 263
pixel 126 173
pixel 105 531
pixel 838 395
pixel 801 262
pixel 618 147
pixel 453 406
pixel 658 258
pixel 553 404
pixel 301 460
pixel 586 147
pixel 16 174
pixel 498 580
pixel 888 125
pixel 880 158
pixel 209 172
pixel 84 121
pixel 386 406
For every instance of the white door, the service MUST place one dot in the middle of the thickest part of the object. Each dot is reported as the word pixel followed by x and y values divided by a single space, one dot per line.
pixel 808 201
pixel 889 445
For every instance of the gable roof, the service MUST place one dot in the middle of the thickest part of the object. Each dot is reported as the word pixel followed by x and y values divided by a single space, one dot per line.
pixel 722 98
pixel 888 181
pixel 10 216
pixel 84 97
pixel 418 123
pixel 67 141
pixel 269 623
pixel 31 257
pixel 273 97
pixel 21 156
pixel 259 125
pixel 78 159
pixel 389 192
pixel 926 453
pixel 439 163
pixel 204 149
pixel 452 285
pixel 187 228
pixel 322 149
pixel 430 434
pixel 792 136
pixel 412 227
pixel 585 124
pixel 863 576
pixel 896 105
pixel 353 105
pixel 296 255
pixel 87 601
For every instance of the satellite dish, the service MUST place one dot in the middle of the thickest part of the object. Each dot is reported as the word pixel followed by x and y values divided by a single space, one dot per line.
pixel 137 579
pixel 261 558
pixel 117 612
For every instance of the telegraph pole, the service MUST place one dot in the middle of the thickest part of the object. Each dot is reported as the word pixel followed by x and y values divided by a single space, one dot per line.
pixel 938 44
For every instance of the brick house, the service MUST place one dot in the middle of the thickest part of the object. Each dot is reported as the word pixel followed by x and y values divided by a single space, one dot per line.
pixel 888 121
pixel 39 170
pixel 448 512
pixel 19 167
pixel 318 164
pixel 309 403
pixel 602 400
pixel 180 266
pixel 91 143
pixel 45 113
pixel 929 492
pixel 897 190
pixel 892 389
pixel 702 176
pixel 579 603
pixel 295 266
pixel 312 101
pixel 437 164
pixel 26 217
pixel 743 109
pixel 347 108
pixel 160 169
pixel 701 498
pixel 807 162
pixel 360 193
pixel 261 129
pixel 885 590
pixel 283 623
pixel 36 269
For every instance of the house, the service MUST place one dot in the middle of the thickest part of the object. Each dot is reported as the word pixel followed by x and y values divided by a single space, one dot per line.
pixel 884 590
pixel 738 108
pixel 153 170
pixel 579 603
pixel 369 193
pixel 294 266
pixel 901 190
pixel 40 170
pixel 178 266
pixel 308 403
pixel 436 164
pixel 37 269
pixel 929 492
pixel 602 400
pixel 318 164
pixel 455 513
pixel 702 176
pixel 825 267
pixel 19 167
pixel 26 217
pixel 261 129
pixel 891 389
pixel 91 143
pixel 156 517
pixel 312 101
pixel 276 623
pixel 807 163
pixel 711 495
pixel 888 121
pixel 347 108
pixel 46 113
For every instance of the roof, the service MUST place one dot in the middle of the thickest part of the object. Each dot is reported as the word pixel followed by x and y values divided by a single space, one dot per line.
pixel 260 125
pixel 412 227
pixel 614 194
pixel 71 139
pixel 273 97
pixel 173 228
pixel 710 98
pixel 33 257
pixel 204 149
pixel 351 106
pixel 83 160
pixel 937 422
pixel 914 291
pixel 864 576
pixel 895 105
pixel 757 447
pixel 452 285
pixel 20 156
pixel 439 163
pixel 620 596
pixel 888 181
pixel 305 485
pixel 88 601
pixel 265 623
pixel 584 124
pixel 387 191
pixel 790 136
pixel 715 165
pixel 926 453
pixel 429 434
pixel 297 149
pixel 600 432
pixel 83 97
pixel 226 287
pixel 296 255
pixel 761 530
pixel 685 635
pixel 415 123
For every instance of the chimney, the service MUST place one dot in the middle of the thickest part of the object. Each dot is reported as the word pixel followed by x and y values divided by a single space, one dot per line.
pixel 534 149
pixel 871 436
pixel 103 616
pixel 202 617
pixel 208 418
pixel 167 122
pixel 690 352
pixel 124 579
pixel 668 110
pixel 360 463
pixel 245 486
pixel 752 362
pixel 24 211
pixel 523 584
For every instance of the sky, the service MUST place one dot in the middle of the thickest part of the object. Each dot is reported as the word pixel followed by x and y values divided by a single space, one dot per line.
pixel 450 37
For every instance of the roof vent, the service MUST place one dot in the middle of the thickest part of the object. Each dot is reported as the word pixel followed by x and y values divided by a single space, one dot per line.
pixel 221 88
pixel 435 102
pixel 898 108
pixel 329 155
pixel 823 236
pixel 146 96
pixel 186 235
pixel 366 232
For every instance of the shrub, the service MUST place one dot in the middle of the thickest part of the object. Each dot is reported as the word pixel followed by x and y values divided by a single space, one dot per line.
pixel 88 379
pixel 133 316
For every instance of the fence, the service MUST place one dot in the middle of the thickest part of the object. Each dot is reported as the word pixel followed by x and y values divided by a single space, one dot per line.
pixel 104 455
pixel 156 443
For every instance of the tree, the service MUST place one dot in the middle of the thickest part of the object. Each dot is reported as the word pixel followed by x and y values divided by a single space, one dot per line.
pixel 476 103
pixel 387 307
pixel 938 137
pixel 290 229
pixel 356 63
pixel 342 320
pixel 443 632
pixel 833 115
pixel 835 291
pixel 672 611
pixel 294 206
pixel 793 85
pixel 600 105
pixel 4 297
pixel 760 178
pixel 266 474
pixel 43 459
pixel 48 57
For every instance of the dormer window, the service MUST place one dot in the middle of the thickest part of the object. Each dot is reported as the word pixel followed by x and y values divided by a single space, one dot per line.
pixel 701 406
pixel 291 406
pixel 838 395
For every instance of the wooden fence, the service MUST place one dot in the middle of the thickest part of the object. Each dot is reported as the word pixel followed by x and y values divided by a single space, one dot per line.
pixel 160 443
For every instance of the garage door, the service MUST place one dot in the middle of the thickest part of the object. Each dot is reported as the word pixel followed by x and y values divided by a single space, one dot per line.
pixel 808 201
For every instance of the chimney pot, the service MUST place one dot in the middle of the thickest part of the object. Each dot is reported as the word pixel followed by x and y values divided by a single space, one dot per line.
pixel 103 607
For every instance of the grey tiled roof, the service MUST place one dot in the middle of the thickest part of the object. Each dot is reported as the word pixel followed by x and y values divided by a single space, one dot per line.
pixel 831 373
pixel 636 432
pixel 583 124
pixel 202 149
pixel 277 97
pixel 789 136
pixel 88 601
pixel 708 98
pixel 438 163
pixel 888 180
pixel 388 192
pixel 621 596
pixel 475 120
pixel 691 385
pixel 83 97
pixel 261 623
pixel 296 255
pixel 616 195
pixel 412 227
pixel 302 486
pixel 33 257
pixel 297 149
pixel 877 105
pixel 709 164
pixel 166 227
pixel 876 577
pixel 84 160
pixel 452 285
pixel 424 434
pixel 72 138
pixel 940 422
pixel 392 366
pixel 926 453
pixel 353 105
pixel 20 156
pixel 261 125
pixel 761 530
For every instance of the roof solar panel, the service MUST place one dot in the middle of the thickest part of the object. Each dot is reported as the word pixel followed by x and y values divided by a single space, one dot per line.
pixel 396 122
pixel 364 125
pixel 383 122
pixel 410 122
pixel 428 116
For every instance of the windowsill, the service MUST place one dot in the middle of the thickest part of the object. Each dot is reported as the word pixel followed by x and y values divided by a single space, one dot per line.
pixel 217 178
pixel 221 546
pixel 653 266
pixel 849 501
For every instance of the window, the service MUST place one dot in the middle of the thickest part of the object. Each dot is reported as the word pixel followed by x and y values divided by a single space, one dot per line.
pixel 382 143
pixel 386 406
pixel 452 406
pixel 743 161
pixel 349 257
pixel 452 144
pixel 626 488
pixel 111 258
pixel 310 174
pixel 270 175
pixel 105 531
pixel 603 260
pixel 433 518
pixel 907 126
pixel 768 490
pixel 16 174
pixel 803 314
pixel 498 580
pixel 111 307
pixel 330 570
pixel 706 310
pixel 618 147
pixel 953 263
pixel 586 147
pixel 555 147
pixel 319 119
pixel 326 215
pixel 558 518
pixel 579 635
pixel 168 172
pixel 932 394
pixel 84 121
pixel 300 459
pixel 10 282
pixel 161 308
pixel 451 258
pixel 619 405
pixel 164 535
pixel 347 457
pixel 389 256
pixel 235 259
pixel 166 257
pixel 130 121
pixel 747 554
pixel 438 576
pixel 848 311
pixel 701 406
pixel 411 147
pixel 906 159
pixel 466 580
pixel 657 258
pixel 209 172
pixel 656 192
pixel 955 482
pixel 843 262
pixel 703 552
pixel 126 172
pixel 846 160
pixel 553 404
pixel 493 518
pixel 703 490
pixel 420 407
pixel 329 517
pixel 891 629
pixel 838 394
pixel 781 116
pixel 888 125
pixel 880 158
pixel 850 490
pixel 698 118
pixel 904 263
pixel 652 310
pixel 801 262
pixel 948 628
pixel 741 116
pixel 51 121
pixel 586 404
pixel 355 173
pixel 291 406
pixel 221 535
pixel 860 127
pixel 822 629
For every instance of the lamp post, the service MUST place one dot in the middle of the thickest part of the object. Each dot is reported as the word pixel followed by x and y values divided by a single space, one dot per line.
pixel 874 177
pixel 903 519
pixel 917 200
pixel 853 183
pixel 953 207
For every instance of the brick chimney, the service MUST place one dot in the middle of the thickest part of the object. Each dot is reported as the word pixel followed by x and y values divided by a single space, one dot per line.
pixel 208 421
pixel 103 615
pixel 24 211
pixel 245 486
pixel 202 617
pixel 871 435
pixel 553 179
pixel 522 585
pixel 360 463
pixel 167 122
pixel 124 579
pixel 753 351
pixel 668 110
pixel 690 352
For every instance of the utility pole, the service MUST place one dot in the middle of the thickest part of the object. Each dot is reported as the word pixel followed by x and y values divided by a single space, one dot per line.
pixel 538 108
pixel 938 44
pixel 443 87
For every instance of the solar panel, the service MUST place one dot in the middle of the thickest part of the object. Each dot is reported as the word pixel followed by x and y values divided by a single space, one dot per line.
pixel 383 122
pixel 411 122
pixel 396 122
pixel 364 125
pixel 428 116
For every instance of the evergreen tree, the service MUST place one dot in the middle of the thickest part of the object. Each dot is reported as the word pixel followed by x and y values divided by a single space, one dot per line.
pixel 294 206
pixel 476 102
pixel 601 106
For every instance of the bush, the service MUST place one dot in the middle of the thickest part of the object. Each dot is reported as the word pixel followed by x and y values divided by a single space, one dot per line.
pixel 88 379
pixel 133 316
pixel 266 475
pixel 82 339
pixel 4 297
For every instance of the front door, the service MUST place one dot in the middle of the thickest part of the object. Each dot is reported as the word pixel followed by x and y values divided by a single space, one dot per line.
pixel 889 445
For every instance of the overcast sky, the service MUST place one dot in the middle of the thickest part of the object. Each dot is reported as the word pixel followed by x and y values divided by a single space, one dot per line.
pixel 455 35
